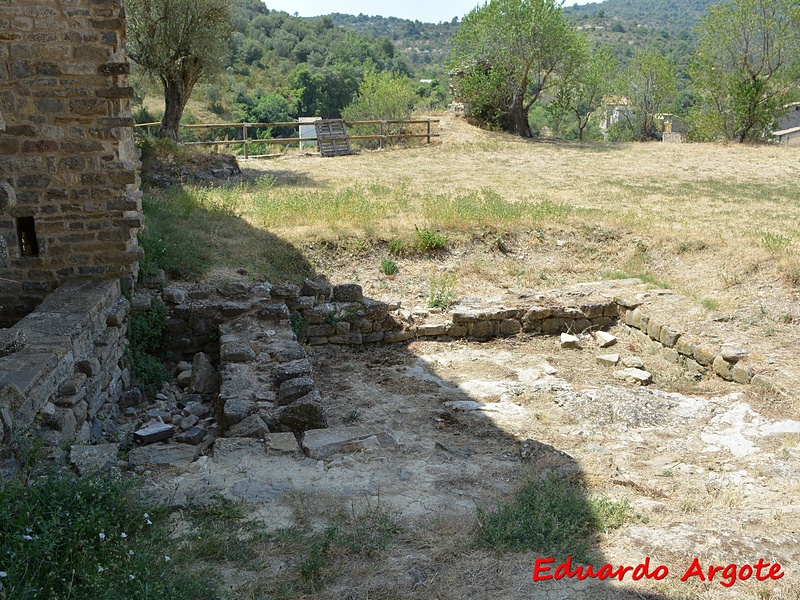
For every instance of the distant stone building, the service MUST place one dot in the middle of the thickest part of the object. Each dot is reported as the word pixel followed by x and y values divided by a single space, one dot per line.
pixel 69 199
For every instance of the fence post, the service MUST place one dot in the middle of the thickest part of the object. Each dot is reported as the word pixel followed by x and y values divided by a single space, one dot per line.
pixel 380 140
pixel 244 138
pixel 429 131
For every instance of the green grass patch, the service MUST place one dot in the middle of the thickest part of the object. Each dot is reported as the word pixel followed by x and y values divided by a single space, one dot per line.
pixel 776 243
pixel 553 515
pixel 645 276
pixel 190 230
pixel 389 267
pixel 92 538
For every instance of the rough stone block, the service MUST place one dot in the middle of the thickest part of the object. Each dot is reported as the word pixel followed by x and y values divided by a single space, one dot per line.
pixel 292 389
pixel 722 368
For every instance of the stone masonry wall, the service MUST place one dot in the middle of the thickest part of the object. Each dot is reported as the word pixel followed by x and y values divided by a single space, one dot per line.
pixel 65 366
pixel 69 199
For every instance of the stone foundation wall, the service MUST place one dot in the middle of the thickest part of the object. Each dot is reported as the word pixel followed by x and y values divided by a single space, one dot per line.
pixel 63 375
pixel 69 199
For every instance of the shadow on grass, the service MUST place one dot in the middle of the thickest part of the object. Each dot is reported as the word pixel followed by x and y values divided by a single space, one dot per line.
pixel 187 236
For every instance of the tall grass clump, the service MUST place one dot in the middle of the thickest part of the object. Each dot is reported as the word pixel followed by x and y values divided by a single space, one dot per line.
pixel 553 515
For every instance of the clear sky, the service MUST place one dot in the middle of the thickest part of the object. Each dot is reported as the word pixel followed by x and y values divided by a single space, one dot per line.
pixel 427 11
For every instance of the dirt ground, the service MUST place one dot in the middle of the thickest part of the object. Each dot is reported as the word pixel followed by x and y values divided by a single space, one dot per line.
pixel 711 469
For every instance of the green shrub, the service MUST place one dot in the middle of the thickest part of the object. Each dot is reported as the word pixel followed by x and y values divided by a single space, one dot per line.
pixel 428 240
pixel 389 267
pixel 299 324
pixel 147 334
pixel 395 247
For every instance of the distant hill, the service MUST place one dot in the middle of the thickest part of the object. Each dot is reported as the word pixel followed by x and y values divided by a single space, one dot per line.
pixel 671 14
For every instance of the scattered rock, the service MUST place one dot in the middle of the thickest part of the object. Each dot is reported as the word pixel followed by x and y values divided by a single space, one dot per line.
pixel 194 436
pixel 250 427
pixel 605 339
pixel 173 296
pixel 608 360
pixel 633 362
pixel 569 341
pixel 634 375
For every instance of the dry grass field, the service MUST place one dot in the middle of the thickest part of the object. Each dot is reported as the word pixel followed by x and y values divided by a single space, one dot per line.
pixel 486 214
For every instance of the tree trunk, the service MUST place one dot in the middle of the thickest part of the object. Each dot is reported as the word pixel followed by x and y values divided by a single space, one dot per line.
pixel 175 97
pixel 520 114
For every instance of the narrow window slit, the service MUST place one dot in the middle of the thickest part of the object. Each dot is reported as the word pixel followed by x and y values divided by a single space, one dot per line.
pixel 26 234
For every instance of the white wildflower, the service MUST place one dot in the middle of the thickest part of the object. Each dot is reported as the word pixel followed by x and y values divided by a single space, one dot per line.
pixel 102 535
pixel 167 559
pixel 131 577
pixel 100 569
pixel 123 535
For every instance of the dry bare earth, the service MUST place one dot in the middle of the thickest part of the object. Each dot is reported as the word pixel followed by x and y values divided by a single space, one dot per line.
pixel 711 474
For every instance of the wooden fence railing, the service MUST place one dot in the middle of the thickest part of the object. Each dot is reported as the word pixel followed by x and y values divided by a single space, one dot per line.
pixel 245 129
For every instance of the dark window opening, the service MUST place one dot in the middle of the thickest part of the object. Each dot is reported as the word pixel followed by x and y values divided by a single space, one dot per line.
pixel 26 235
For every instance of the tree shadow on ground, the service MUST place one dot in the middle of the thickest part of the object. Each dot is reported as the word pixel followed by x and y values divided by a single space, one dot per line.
pixel 520 499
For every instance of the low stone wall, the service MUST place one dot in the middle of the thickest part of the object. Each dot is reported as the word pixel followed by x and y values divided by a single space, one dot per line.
pixel 728 361
pixel 65 363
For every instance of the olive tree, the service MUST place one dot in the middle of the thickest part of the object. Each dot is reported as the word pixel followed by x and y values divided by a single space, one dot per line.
pixel 507 54
pixel 178 42
pixel 649 85
pixel 746 66
pixel 581 93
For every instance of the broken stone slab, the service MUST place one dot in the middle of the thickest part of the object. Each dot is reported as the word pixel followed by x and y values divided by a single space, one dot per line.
pixel 281 443
pixel 605 339
pixel 569 341
pixel 722 368
pixel 250 427
pixel 302 415
pixel 193 437
pixel 320 444
pixel 608 360
pixel 154 433
pixel 634 375
pixel 205 379
pixel 92 459
pixel 163 455
pixel 292 389
pixel 233 450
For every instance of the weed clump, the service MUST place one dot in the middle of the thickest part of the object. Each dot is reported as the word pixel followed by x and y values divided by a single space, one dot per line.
pixel 551 514
pixel 428 240
pixel 442 291
pixel 389 267
pixel 147 330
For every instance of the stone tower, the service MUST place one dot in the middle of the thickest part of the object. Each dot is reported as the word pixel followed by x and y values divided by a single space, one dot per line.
pixel 69 196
